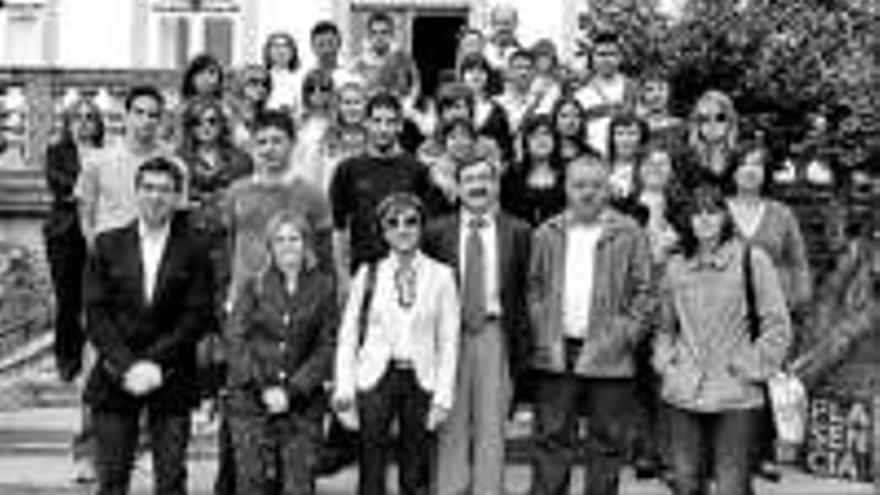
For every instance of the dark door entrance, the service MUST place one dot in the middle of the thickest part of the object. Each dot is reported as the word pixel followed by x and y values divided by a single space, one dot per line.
pixel 434 40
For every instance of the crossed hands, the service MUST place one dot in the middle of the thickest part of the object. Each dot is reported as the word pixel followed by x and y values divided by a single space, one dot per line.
pixel 142 378
pixel 275 399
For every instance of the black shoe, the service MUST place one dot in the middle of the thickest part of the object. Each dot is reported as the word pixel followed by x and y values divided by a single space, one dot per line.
pixel 330 463
pixel 769 471
pixel 647 469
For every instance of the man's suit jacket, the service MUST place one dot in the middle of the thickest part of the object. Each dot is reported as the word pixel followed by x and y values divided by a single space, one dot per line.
pixel 124 327
pixel 441 240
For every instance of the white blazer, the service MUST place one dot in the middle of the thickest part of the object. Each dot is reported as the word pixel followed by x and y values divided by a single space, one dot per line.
pixel 434 325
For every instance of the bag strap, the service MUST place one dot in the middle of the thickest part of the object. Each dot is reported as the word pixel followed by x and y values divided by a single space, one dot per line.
pixel 366 302
pixel 752 317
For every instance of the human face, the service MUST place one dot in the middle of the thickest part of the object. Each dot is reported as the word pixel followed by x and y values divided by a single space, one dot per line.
pixel 459 142
pixel 402 229
pixel 627 139
pixel 586 189
pixel 256 88
pixel 272 148
pixel 749 176
pixel 707 226
pixel 521 71
pixel 458 109
pixel 326 46
pixel 380 36
pixel 280 52
pixel 656 170
pixel 156 198
pixel 655 95
pixel 541 143
pixel 287 246
pixel 207 81
pixel 352 106
pixel 207 126
pixel 504 21
pixel 471 43
pixel 714 123
pixel 606 59
pixel 143 119
pixel 384 126
pixel 84 122
pixel 476 78
pixel 545 63
pixel 478 186
pixel 320 97
pixel 568 121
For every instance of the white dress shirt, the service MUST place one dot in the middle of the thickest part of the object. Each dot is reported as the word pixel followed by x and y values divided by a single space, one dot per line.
pixel 153 242
pixel 580 259
pixel 489 238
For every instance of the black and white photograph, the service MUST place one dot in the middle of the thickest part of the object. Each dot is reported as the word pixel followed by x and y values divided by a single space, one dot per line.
pixel 439 247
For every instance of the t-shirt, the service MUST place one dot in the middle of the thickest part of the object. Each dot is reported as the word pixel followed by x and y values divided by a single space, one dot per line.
pixel 360 184
pixel 248 207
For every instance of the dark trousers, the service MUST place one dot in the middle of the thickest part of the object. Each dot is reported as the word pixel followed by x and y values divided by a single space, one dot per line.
pixel 396 396
pixel 562 398
pixel 725 437
pixel 66 253
pixel 224 483
pixel 117 435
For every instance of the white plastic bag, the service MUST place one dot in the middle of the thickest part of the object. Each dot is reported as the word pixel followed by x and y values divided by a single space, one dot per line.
pixel 789 402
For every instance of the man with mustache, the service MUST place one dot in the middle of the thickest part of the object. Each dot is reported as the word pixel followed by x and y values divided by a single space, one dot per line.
pixel 490 251
pixel 589 297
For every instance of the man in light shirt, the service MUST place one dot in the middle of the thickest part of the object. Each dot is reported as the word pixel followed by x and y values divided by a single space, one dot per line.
pixel 589 298
pixel 105 188
pixel 384 66
pixel 502 42
pixel 608 91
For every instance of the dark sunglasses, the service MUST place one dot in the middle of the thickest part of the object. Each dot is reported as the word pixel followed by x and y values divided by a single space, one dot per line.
pixel 401 221
pixel 87 116
pixel 712 117
pixel 212 121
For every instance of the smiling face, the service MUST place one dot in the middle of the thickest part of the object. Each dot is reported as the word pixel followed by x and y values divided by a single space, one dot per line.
pixel 568 121
pixel 655 95
pixel 707 225
pixel 750 175
pixel 84 121
pixel 606 59
pixel 587 187
pixel 272 148
pixel 157 196
pixel 287 246
pixel 656 170
pixel 402 230
pixel 143 118
pixel 384 126
pixel 479 187
pixel 541 143
pixel 352 105
pixel 380 34
pixel 281 52
pixel 207 81
pixel 476 78
pixel 207 126
pixel 627 139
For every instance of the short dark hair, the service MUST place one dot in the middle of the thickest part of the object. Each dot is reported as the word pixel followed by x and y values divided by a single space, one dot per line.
pixel 325 27
pixel 627 119
pixel 141 91
pixel 447 128
pixel 740 154
pixel 522 53
pixel 473 61
pixel 451 93
pixel 380 17
pixel 276 119
pixel 384 99
pixel 606 37
pixel 160 165
pixel 199 64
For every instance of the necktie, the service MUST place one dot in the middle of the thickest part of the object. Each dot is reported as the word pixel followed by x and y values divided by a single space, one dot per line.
pixel 474 284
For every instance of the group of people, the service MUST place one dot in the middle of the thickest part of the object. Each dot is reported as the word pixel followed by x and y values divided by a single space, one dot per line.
pixel 307 246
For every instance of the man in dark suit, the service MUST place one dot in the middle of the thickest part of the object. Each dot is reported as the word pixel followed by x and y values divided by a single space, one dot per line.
pixel 148 297
pixel 491 252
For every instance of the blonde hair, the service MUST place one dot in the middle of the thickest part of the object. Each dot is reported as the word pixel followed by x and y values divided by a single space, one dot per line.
pixel 281 219
pixel 695 138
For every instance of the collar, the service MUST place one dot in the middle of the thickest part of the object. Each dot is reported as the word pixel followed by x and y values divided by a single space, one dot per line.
pixel 719 260
pixel 156 234
pixel 417 260
pixel 490 217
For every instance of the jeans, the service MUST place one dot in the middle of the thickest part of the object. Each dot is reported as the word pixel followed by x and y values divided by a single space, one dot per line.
pixel 725 437
pixel 397 395
pixel 562 398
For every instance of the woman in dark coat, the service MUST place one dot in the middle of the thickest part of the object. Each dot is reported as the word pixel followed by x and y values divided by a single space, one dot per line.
pixel 82 133
pixel 281 344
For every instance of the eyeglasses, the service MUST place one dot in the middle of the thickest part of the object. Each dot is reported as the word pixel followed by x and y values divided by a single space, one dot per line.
pixel 719 118
pixel 87 116
pixel 212 121
pixel 401 221
pixel 257 82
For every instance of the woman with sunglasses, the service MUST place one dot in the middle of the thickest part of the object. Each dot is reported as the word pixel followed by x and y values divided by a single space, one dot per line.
pixel 713 132
pixel 82 134
pixel 724 331
pixel 397 351
pixel 281 340
pixel 318 105
pixel 253 87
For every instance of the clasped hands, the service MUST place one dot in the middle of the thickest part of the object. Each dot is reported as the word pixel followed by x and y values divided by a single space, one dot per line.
pixel 344 405
pixel 142 378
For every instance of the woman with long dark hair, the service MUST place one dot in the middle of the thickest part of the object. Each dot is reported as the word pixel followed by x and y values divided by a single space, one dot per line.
pixel 281 60
pixel 534 189
pixel 570 121
pixel 724 331
pixel 490 118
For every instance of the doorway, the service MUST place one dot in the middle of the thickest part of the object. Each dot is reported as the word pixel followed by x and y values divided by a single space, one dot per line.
pixel 434 42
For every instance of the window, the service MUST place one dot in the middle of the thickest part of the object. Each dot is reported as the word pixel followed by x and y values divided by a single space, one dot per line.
pixel 188 27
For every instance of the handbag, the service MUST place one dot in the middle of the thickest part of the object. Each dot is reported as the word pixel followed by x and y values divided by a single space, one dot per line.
pixel 786 395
